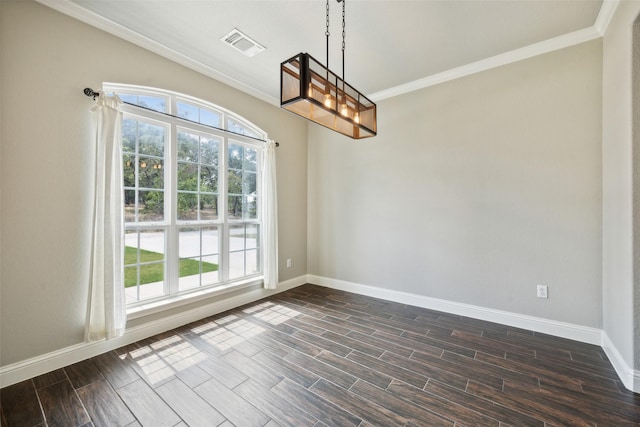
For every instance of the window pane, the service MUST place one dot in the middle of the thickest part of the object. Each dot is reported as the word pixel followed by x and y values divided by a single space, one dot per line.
pixel 235 207
pixel 236 154
pixel 151 139
pixel 187 111
pixel 236 265
pixel 198 115
pixel 208 179
pixel 188 147
pixel 237 126
pixel 209 149
pixel 251 236
pixel 236 238
pixel 187 176
pixel 251 207
pixel 187 206
pixel 210 269
pixel 235 182
pixel 129 170
pixel 151 102
pixel 210 118
pixel 210 243
pixel 129 132
pixel 129 205
pixel 150 173
pixel 150 206
pixel 252 265
pixel 249 183
pixel 208 206
pixel 250 159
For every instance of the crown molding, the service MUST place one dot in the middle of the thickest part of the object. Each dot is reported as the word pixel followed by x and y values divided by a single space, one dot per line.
pixel 607 10
pixel 78 12
pixel 556 43
pixel 605 14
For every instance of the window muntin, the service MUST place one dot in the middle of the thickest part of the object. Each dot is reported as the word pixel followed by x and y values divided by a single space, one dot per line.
pixel 180 180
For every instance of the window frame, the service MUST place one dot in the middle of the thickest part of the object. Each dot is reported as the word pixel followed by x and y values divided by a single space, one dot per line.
pixel 170 224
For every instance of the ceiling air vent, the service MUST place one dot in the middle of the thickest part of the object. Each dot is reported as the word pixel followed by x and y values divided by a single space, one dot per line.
pixel 243 43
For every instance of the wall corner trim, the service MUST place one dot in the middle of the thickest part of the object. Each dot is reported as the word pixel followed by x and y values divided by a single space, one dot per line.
pixel 29 368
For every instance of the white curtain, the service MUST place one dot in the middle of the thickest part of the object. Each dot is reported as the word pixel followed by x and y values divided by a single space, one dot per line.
pixel 269 216
pixel 106 315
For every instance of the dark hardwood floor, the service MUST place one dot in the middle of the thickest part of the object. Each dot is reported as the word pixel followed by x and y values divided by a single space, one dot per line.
pixel 313 356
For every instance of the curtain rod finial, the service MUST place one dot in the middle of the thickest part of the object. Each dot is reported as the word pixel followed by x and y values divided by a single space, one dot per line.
pixel 90 92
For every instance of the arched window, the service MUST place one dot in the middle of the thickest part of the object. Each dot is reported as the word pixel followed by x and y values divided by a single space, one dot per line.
pixel 192 193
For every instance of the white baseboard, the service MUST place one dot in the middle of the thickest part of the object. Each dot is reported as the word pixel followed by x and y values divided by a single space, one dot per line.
pixel 537 324
pixel 23 370
pixel 20 371
pixel 629 377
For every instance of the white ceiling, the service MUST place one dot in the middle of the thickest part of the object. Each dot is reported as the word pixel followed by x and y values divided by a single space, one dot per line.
pixel 392 46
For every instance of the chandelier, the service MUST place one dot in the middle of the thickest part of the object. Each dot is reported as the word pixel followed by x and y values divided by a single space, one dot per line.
pixel 311 90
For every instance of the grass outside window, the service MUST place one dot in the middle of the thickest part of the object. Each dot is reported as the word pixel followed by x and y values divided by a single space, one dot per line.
pixel 154 271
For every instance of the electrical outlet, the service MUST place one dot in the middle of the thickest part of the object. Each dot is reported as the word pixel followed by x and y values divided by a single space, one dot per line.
pixel 288 262
pixel 543 291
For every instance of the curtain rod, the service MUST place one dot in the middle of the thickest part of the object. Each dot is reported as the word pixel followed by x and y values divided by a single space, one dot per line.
pixel 92 93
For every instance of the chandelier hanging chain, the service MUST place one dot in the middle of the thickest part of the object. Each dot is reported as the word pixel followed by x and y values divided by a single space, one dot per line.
pixel 327 34
pixel 344 2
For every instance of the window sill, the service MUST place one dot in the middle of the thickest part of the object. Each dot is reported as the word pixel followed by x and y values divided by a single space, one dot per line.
pixel 158 306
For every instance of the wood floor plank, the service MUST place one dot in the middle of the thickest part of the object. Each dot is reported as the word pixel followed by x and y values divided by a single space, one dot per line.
pixel 441 370
pixel 386 344
pixel 409 343
pixel 389 369
pixel 504 414
pixel 103 405
pixel 20 406
pixel 252 369
pixel 441 344
pixel 349 326
pixel 285 368
pixel 193 410
pixel 357 370
pixel 115 370
pixel 148 408
pixel 83 373
pixel 49 378
pixel 61 405
pixel 231 405
pixel 441 406
pixel 222 371
pixel 322 369
pixel 311 403
pixel 322 343
pixel 551 412
pixel 281 411
pixel 354 344
pixel 414 413
pixel 372 412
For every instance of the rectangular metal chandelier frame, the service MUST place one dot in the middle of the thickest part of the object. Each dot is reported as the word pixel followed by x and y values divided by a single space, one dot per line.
pixel 310 90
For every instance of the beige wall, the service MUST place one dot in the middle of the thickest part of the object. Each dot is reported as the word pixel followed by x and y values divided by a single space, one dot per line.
pixel 474 191
pixel 617 183
pixel 46 130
